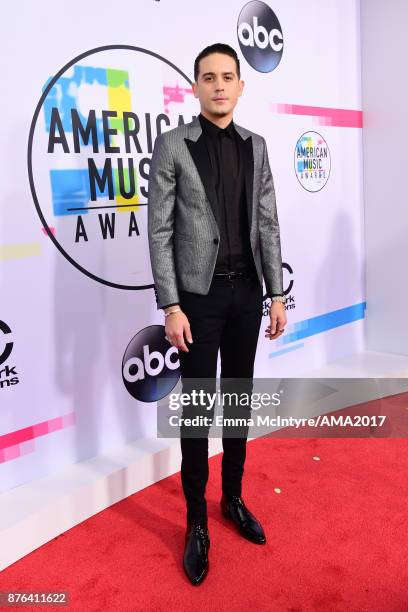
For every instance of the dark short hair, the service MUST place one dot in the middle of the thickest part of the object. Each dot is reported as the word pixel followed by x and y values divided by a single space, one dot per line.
pixel 216 48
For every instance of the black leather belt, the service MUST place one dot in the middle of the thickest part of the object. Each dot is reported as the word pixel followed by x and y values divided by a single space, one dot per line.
pixel 233 275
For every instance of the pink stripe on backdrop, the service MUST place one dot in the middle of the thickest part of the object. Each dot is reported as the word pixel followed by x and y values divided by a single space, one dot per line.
pixel 13 452
pixel 34 431
pixel 336 117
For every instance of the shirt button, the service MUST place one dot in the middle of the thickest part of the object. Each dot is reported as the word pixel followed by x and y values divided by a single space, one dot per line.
pixel 215 241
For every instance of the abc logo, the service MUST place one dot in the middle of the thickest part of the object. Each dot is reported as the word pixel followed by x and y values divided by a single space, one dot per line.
pixel 150 366
pixel 260 36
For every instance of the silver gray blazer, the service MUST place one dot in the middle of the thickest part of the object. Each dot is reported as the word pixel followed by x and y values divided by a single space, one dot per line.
pixel 182 227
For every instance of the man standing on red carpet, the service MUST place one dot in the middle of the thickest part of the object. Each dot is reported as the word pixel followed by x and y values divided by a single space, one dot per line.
pixel 213 236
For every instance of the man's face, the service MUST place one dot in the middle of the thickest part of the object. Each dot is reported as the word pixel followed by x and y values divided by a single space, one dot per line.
pixel 218 87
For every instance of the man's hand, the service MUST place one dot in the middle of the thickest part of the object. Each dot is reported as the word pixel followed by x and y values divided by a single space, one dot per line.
pixel 277 315
pixel 177 326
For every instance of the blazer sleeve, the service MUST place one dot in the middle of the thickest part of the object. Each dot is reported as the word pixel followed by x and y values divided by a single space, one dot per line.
pixel 269 231
pixel 161 203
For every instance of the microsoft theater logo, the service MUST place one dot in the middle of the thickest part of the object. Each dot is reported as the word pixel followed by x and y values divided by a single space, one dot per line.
pixel 90 146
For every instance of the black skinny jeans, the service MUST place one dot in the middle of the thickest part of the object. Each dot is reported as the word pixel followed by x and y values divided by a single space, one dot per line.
pixel 228 319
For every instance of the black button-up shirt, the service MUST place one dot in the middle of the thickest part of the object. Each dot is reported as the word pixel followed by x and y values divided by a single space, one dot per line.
pixel 226 155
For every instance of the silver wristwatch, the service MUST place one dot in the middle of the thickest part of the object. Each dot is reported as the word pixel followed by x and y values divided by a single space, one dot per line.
pixel 278 298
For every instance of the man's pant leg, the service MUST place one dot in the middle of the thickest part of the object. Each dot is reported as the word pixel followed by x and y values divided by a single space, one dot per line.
pixel 238 349
pixel 206 315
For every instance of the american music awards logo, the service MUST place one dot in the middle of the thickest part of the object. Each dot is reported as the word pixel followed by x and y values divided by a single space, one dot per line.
pixel 312 161
pixel 89 152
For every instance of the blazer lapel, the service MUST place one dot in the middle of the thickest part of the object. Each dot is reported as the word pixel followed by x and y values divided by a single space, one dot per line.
pixel 198 151
pixel 249 176
pixel 248 150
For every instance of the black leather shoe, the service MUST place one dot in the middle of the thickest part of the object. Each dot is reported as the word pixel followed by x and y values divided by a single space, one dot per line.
pixel 195 560
pixel 234 509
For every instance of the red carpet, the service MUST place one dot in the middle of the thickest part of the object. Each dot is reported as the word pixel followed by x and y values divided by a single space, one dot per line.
pixel 337 538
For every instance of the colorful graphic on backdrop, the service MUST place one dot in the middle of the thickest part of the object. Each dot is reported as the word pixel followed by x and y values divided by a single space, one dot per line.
pixel 90 146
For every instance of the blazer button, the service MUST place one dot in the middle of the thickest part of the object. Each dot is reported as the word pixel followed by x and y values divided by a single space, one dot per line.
pixel 215 240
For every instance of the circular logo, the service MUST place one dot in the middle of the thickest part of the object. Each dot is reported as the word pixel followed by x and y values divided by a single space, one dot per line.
pixel 150 366
pixel 312 161
pixel 5 354
pixel 260 36
pixel 89 152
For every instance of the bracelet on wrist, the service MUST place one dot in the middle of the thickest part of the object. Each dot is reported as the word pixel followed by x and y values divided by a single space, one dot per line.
pixel 166 314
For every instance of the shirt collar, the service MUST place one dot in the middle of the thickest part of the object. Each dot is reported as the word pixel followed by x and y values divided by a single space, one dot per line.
pixel 214 130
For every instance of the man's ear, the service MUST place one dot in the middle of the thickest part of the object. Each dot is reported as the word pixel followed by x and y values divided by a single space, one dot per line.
pixel 241 86
pixel 195 89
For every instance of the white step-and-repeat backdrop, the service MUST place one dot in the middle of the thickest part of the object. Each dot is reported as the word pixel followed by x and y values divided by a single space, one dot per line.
pixel 86 90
